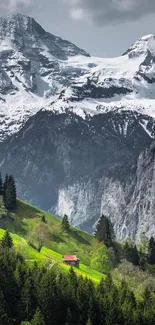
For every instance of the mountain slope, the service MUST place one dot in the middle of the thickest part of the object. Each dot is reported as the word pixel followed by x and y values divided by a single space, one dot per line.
pixel 79 167
pixel 39 70
pixel 22 223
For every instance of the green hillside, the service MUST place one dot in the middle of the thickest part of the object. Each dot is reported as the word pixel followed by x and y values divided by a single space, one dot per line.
pixel 22 224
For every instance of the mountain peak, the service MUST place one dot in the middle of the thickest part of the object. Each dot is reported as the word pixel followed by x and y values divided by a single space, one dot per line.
pixel 16 16
pixel 147 37
pixel 27 35
pixel 20 21
pixel 16 26
pixel 141 46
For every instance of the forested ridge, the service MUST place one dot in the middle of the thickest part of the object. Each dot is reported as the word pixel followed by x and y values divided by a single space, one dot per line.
pixel 45 294
pixel 41 296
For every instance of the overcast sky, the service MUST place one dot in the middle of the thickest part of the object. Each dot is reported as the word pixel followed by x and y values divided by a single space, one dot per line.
pixel 102 27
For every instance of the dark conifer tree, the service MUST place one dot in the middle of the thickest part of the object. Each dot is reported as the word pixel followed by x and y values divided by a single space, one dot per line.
pixel 123 291
pixel 69 319
pixel 49 299
pixel 151 251
pixel 20 274
pixel 135 256
pixel 10 193
pixel 1 185
pixel 38 318
pixel 89 322
pixel 43 219
pixel 4 187
pixel 72 275
pixel 147 297
pixel 8 198
pixel 104 230
pixel 8 284
pixel 28 300
pixel 109 283
pixel 131 254
pixel 3 314
pixel 7 241
pixel 65 223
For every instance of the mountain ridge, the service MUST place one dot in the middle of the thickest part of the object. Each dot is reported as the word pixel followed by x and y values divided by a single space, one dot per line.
pixel 41 71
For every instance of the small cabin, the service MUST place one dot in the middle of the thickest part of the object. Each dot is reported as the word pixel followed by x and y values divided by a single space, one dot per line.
pixel 71 260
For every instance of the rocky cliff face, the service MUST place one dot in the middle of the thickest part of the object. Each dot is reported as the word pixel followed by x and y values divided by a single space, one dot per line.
pixel 65 164
pixel 139 214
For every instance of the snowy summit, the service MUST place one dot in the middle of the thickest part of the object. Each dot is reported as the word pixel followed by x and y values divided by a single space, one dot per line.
pixel 41 71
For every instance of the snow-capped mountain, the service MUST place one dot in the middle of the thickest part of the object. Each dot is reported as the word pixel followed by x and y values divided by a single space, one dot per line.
pixel 31 69
pixel 39 70
pixel 76 126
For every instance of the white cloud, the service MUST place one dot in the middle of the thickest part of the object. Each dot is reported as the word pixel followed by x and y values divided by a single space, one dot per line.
pixel 77 14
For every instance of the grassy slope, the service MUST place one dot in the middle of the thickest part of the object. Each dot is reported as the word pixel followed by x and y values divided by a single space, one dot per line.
pixel 59 243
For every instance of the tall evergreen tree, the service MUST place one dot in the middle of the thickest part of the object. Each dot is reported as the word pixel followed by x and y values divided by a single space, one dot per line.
pixel 65 223
pixel 1 185
pixel 8 283
pixel 89 322
pixel 3 315
pixel 69 319
pixel 5 186
pixel 7 241
pixel 38 318
pixel 130 253
pixel 135 255
pixel 10 193
pixel 28 299
pixel 104 230
pixel 151 251
pixel 109 283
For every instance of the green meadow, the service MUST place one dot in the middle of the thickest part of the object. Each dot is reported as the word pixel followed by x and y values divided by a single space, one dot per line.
pixel 21 223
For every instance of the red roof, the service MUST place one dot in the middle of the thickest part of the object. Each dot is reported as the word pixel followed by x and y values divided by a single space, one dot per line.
pixel 70 258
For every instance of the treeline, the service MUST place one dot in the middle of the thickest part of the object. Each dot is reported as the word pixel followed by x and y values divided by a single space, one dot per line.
pixel 129 251
pixel 140 258
pixel 42 296
pixel 8 191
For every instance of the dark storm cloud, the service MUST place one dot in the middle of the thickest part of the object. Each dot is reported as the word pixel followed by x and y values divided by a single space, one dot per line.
pixel 101 11
pixel 108 11
pixel 10 6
